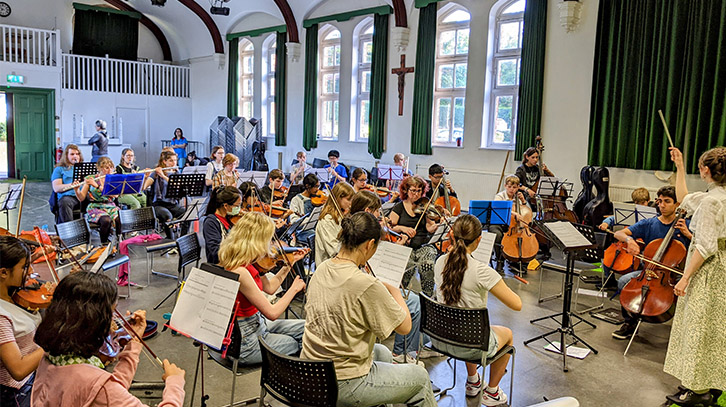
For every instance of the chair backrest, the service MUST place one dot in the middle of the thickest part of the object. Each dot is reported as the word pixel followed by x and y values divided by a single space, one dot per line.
pixel 74 233
pixel 298 382
pixel 137 220
pixel 189 249
pixel 467 327
pixel 319 163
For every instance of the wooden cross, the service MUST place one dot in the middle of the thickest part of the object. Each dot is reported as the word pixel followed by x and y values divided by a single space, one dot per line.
pixel 401 72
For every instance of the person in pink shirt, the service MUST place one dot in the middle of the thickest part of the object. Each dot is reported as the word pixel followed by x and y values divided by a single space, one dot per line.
pixel 72 332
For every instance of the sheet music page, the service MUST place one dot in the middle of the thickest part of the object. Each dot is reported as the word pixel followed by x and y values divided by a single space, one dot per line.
pixel 624 213
pixel 389 262
pixel 205 307
pixel 645 212
pixel 568 235
pixel 483 253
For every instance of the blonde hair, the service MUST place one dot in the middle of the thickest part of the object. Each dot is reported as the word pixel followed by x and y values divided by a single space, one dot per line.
pixel 511 179
pixel 247 242
pixel 104 162
pixel 640 195
pixel 341 190
pixel 229 158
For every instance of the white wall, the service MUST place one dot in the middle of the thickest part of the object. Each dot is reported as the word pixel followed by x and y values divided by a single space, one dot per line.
pixel 208 95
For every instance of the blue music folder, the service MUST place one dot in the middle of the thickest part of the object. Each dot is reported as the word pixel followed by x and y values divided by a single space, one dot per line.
pixel 491 212
pixel 122 184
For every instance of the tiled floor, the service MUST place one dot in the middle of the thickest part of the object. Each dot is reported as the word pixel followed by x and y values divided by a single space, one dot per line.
pixel 605 379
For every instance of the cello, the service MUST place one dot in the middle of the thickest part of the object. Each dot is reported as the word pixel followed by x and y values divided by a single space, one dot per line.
pixel 452 205
pixel 650 295
pixel 520 244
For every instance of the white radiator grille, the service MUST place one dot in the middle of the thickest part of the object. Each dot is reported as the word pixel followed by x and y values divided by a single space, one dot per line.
pixel 621 193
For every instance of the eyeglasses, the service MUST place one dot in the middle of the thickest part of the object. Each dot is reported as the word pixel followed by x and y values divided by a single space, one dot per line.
pixel 415 190
pixel 362 179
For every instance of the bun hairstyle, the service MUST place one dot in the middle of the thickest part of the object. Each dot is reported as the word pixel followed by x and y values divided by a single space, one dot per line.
pixel 221 196
pixel 358 229
pixel 101 124
pixel 363 200
pixel 466 230
pixel 715 160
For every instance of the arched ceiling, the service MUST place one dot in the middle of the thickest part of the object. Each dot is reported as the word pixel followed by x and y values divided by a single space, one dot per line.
pixel 189 37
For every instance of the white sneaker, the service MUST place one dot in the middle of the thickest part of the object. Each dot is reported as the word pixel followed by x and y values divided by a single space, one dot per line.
pixel 495 399
pixel 426 353
pixel 410 358
pixel 472 389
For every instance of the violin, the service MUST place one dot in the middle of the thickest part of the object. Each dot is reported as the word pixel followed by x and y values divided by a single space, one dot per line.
pixel 380 191
pixel 278 257
pixel 280 193
pixel 519 244
pixel 318 199
pixel 650 296
pixel 433 211
pixel 121 334
pixel 34 295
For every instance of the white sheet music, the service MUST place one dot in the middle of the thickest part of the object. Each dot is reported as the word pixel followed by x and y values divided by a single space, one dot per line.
pixel 258 177
pixel 624 213
pixel 389 262
pixel 322 173
pixel 568 235
pixel 645 212
pixel 205 307
pixel 483 253
pixel 392 172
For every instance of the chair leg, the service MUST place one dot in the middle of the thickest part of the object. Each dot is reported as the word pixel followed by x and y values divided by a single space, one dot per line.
pixel 234 380
pixel 443 392
pixel 262 397
pixel 511 380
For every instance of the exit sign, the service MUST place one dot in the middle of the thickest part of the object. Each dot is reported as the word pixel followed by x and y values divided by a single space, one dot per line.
pixel 16 79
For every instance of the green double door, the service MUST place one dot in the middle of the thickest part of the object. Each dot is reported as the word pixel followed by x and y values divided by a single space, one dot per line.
pixel 34 128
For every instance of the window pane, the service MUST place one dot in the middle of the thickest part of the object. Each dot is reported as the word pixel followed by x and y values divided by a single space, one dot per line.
pixel 272 118
pixel 507 72
pixel 331 83
pixel 337 55
pixel 329 56
pixel 369 30
pixel 248 64
pixel 446 76
pixel 333 35
pixel 457 16
pixel 364 119
pixel 247 87
pixel 509 35
pixel 460 81
pixel 517 7
pixel 337 83
pixel 336 118
pixel 447 42
pixel 443 118
pixel 273 60
pixel 367 52
pixel 327 120
pixel 503 121
pixel 458 118
pixel 246 109
pixel 248 46
pixel 462 42
pixel 272 86
pixel 365 85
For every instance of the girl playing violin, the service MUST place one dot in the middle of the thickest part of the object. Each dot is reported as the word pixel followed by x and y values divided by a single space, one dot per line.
pixel 73 330
pixel 328 227
pixel 166 209
pixel 463 281
pixel 102 210
pixel 19 355
pixel 224 203
pixel 228 177
pixel 406 219
pixel 359 179
pixel 248 242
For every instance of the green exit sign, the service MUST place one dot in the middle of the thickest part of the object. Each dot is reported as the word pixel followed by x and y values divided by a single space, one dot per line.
pixel 16 79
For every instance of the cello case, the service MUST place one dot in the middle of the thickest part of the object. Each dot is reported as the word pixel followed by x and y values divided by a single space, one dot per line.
pixel 601 206
pixel 586 194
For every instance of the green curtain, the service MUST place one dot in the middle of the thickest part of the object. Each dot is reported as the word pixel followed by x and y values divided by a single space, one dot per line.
pixel 423 88
pixel 310 100
pixel 379 76
pixel 281 90
pixel 531 77
pixel 651 55
pixel 233 78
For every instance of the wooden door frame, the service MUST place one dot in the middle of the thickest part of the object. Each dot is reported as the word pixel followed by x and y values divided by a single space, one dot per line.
pixel 10 91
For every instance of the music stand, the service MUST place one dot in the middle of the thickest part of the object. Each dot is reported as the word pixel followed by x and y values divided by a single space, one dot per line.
pixel 184 185
pixel 390 172
pixel 491 212
pixel 123 184
pixel 10 201
pixel 257 177
pixel 310 221
pixel 82 170
pixel 198 169
pixel 322 174
pixel 624 213
pixel 572 243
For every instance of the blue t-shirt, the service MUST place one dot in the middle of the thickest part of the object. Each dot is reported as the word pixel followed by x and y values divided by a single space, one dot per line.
pixel 651 229
pixel 340 169
pixel 66 175
pixel 181 152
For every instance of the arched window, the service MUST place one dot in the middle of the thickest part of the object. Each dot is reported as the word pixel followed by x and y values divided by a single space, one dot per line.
pixel 246 79
pixel 506 63
pixel 365 57
pixel 452 54
pixel 329 84
pixel 269 84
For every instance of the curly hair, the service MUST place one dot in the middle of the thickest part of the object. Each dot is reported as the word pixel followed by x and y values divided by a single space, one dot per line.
pixel 64 161
pixel 715 160
pixel 409 182
pixel 466 230
pixel 79 317
pixel 165 155
pixel 247 242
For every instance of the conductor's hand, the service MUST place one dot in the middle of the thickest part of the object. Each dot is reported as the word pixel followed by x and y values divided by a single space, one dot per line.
pixel 297 285
pixel 171 369
pixel 677 157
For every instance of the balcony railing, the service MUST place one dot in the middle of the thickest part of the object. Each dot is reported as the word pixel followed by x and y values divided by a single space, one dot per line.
pixel 24 45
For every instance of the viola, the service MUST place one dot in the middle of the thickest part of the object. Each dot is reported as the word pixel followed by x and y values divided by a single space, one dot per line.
pixel 318 199
pixel 433 212
pixel 520 244
pixel 618 260
pixel 452 205
pixel 650 295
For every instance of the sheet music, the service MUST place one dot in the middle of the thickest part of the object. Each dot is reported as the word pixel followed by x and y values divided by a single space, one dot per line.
pixel 568 235
pixel 645 212
pixel 322 174
pixel 199 169
pixel 483 253
pixel 12 197
pixel 548 185
pixel 205 307
pixel 389 262
pixel 258 177
pixel 624 213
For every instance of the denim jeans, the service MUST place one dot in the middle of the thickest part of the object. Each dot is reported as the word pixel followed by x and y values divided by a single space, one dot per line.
pixel 412 338
pixel 387 383
pixel 283 335
pixel 12 397
pixel 625 279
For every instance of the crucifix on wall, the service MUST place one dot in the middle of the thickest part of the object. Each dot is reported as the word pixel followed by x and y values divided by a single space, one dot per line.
pixel 401 72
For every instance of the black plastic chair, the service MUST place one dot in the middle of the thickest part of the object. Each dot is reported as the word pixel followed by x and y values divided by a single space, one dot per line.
pixel 74 233
pixel 144 220
pixel 190 251
pixel 297 382
pixel 465 327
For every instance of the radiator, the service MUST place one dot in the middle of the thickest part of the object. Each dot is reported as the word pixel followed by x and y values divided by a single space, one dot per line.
pixel 621 193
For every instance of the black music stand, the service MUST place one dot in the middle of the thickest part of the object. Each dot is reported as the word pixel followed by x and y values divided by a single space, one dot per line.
pixel 185 185
pixel 82 170
pixel 123 184
pixel 10 201
pixel 573 245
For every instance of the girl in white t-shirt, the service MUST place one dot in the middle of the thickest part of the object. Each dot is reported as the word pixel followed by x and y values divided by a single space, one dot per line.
pixel 465 282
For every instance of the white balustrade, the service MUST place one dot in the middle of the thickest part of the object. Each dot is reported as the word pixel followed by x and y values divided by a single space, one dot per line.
pixel 25 45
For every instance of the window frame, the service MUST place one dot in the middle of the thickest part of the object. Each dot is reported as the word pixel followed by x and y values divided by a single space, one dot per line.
pixel 325 97
pixel 269 103
pixel 361 94
pixel 244 77
pixel 504 90
pixel 454 92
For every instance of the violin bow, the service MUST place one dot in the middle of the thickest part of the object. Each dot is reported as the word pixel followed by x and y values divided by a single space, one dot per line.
pixel 426 208
pixel 504 168
pixel 665 126
pixel 53 272
pixel 128 328
pixel 20 210
pixel 651 261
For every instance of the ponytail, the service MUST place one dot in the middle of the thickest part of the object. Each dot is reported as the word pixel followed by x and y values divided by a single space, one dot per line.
pixel 466 230
pixel 221 196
